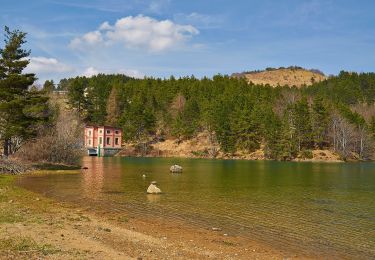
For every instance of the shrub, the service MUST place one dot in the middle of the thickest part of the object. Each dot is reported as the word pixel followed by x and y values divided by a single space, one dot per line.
pixel 307 154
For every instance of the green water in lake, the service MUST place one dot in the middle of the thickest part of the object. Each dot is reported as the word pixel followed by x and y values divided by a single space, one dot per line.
pixel 327 208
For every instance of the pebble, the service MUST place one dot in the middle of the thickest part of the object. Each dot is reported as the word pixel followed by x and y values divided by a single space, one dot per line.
pixel 11 201
pixel 37 199
pixel 216 229
pixel 225 234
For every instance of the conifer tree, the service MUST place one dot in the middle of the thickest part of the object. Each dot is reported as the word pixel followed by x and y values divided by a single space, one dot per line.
pixel 320 122
pixel 20 109
pixel 49 86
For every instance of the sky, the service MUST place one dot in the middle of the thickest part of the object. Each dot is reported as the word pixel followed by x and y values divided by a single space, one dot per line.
pixel 160 38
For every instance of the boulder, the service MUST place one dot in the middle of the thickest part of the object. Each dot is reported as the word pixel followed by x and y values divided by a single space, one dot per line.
pixel 175 168
pixel 153 189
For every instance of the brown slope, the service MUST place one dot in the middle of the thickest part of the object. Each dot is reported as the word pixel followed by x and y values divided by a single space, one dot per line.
pixel 284 76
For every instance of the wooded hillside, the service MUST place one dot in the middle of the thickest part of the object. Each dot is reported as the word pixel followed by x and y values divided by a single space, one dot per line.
pixel 336 114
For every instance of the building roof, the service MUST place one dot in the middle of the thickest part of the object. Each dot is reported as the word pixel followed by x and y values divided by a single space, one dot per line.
pixel 104 126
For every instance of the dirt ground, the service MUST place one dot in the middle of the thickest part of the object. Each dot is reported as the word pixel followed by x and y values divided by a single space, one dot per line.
pixel 34 227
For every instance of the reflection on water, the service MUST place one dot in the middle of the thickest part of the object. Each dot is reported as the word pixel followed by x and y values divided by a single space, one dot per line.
pixel 326 208
pixel 93 179
pixel 153 198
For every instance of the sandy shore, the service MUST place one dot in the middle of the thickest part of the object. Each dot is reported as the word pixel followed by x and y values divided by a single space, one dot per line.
pixel 35 227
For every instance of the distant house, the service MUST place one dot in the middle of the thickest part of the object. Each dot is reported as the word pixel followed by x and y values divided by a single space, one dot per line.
pixel 102 140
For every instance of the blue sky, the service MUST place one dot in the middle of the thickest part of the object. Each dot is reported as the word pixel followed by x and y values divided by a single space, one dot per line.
pixel 194 37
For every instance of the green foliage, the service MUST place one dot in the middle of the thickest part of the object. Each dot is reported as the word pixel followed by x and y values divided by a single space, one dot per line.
pixel 320 122
pixel 49 86
pixel 372 126
pixel 21 109
pixel 240 116
pixel 307 154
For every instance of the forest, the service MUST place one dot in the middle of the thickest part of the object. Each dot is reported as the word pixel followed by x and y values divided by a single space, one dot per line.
pixel 287 122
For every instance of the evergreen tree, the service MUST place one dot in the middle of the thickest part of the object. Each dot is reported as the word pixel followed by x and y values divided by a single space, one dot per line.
pixel 20 109
pixel 246 129
pixel 372 126
pixel 49 86
pixel 302 124
pixel 77 94
pixel 320 122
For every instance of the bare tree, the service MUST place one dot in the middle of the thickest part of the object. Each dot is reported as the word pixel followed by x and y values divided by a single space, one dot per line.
pixel 343 135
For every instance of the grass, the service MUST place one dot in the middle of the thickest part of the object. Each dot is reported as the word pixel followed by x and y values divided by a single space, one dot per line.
pixel 123 219
pixel 26 244
pixel 54 167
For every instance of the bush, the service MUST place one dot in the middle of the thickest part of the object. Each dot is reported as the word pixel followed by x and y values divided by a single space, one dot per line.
pixel 10 166
pixel 58 144
pixel 307 154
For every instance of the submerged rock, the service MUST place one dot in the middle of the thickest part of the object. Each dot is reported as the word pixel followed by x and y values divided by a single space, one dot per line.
pixel 153 189
pixel 175 168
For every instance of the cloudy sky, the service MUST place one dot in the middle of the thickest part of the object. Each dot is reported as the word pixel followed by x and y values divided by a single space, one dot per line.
pixel 193 37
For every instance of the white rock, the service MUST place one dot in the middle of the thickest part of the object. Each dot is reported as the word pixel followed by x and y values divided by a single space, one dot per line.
pixel 153 189
pixel 175 168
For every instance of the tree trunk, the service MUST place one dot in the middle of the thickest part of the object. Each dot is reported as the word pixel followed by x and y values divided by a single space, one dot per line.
pixel 6 147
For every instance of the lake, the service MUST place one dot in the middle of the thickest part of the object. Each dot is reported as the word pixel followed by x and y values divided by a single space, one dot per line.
pixel 322 207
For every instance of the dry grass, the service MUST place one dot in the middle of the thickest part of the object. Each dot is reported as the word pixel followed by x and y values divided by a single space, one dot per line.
pixel 290 77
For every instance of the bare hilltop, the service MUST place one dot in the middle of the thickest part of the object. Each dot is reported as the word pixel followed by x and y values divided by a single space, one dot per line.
pixel 291 76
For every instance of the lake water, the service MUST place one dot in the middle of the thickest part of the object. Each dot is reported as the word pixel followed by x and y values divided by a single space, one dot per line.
pixel 327 208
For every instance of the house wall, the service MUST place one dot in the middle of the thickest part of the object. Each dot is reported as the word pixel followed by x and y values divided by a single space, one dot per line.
pixel 89 136
pixel 106 137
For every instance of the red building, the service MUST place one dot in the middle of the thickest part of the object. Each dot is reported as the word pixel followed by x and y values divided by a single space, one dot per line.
pixel 107 138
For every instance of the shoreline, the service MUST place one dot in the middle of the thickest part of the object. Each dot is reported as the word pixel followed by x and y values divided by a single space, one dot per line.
pixel 234 158
pixel 60 230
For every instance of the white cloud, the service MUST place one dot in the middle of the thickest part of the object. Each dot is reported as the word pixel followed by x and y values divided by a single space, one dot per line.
pixel 157 6
pixel 199 20
pixel 140 32
pixel 46 65
pixel 92 71
pixel 90 38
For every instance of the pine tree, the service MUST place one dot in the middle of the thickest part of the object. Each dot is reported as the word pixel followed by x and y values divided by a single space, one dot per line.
pixel 302 124
pixel 320 122
pixel 20 109
pixel 113 107
pixel 246 129
pixel 49 86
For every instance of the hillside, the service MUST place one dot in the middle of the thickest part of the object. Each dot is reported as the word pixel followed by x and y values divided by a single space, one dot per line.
pixel 170 115
pixel 292 76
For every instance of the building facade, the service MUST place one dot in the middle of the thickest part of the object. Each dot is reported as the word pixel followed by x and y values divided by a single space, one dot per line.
pixel 102 140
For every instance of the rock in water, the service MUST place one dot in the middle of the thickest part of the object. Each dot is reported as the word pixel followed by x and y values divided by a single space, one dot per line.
pixel 175 168
pixel 153 189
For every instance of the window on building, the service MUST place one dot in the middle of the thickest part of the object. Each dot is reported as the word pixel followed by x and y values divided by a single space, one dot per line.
pixel 100 131
pixel 117 132
pixel 89 133
pixel 108 141
pixel 116 141
pixel 100 140
pixel 89 141
pixel 108 132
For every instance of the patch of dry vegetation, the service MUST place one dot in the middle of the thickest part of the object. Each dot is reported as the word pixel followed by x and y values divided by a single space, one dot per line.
pixel 60 143
pixel 285 76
